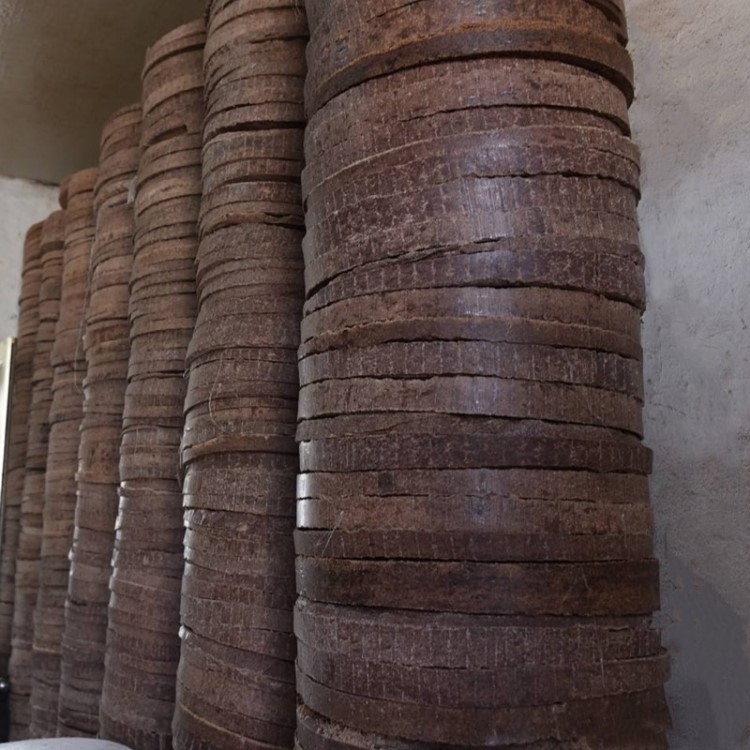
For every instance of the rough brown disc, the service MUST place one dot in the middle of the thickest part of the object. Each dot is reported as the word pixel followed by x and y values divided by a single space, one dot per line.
pixel 431 358
pixel 469 641
pixel 538 149
pixel 377 442
pixel 598 541
pixel 610 589
pixel 472 396
pixel 534 485
pixel 350 45
pixel 513 315
pixel 484 94
pixel 317 733
pixel 533 685
pixel 639 715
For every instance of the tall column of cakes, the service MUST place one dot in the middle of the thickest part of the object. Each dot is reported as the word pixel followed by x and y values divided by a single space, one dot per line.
pixel 143 643
pixel 475 547
pixel 32 504
pixel 236 678
pixel 106 347
pixel 18 432
pixel 66 411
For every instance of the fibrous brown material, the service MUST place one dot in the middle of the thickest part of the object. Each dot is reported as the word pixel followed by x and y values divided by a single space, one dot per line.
pixel 32 504
pixel 474 543
pixel 18 432
pixel 142 648
pixel 66 411
pixel 107 347
pixel 236 678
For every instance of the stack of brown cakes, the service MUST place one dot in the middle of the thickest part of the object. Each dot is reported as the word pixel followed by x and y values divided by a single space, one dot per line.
pixel 69 369
pixel 32 505
pixel 107 347
pixel 474 551
pixel 142 640
pixel 18 432
pixel 236 679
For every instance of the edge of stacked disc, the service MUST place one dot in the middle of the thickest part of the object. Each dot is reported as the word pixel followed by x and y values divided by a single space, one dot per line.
pixel 475 538
pixel 32 504
pixel 66 412
pixel 18 432
pixel 143 629
pixel 235 685
pixel 107 348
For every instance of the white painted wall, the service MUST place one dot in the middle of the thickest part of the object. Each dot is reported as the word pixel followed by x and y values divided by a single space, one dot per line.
pixel 692 120
pixel 22 204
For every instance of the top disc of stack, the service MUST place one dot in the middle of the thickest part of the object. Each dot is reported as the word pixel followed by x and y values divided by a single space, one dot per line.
pixel 171 83
pixel 354 42
pixel 119 150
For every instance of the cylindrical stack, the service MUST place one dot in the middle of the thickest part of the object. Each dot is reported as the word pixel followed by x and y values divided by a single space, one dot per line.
pixel 235 684
pixel 107 348
pixel 142 639
pixel 18 432
pixel 69 370
pixel 474 551
pixel 32 505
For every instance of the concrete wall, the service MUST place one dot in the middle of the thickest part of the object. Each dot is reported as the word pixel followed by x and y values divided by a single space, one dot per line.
pixel 692 120
pixel 22 204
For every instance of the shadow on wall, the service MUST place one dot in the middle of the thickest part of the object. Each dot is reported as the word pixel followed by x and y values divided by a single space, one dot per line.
pixel 714 636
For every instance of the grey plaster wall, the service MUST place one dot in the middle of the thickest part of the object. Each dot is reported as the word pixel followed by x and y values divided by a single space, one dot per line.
pixel 692 120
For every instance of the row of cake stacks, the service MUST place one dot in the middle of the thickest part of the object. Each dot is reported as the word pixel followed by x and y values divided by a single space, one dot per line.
pixel 159 316
pixel 471 390
pixel 474 551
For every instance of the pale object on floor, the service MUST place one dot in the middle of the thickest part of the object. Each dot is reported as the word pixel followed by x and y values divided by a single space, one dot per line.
pixel 64 743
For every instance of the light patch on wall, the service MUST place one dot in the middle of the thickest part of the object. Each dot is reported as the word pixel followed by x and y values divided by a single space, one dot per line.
pixel 22 204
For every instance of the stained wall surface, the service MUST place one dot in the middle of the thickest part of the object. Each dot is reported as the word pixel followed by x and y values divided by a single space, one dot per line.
pixel 22 204
pixel 692 120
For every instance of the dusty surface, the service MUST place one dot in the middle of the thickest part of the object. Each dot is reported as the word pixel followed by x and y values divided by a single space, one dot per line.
pixel 692 119
pixel 65 66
